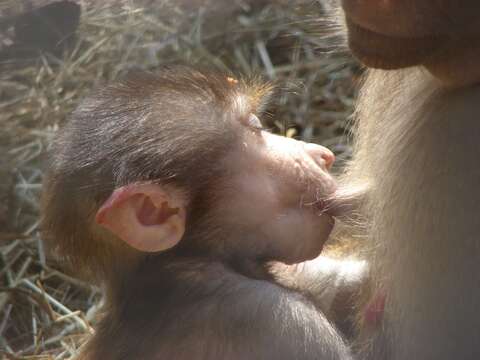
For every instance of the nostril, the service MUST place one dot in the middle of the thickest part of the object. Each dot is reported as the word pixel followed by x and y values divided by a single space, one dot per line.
pixel 321 155
pixel 329 158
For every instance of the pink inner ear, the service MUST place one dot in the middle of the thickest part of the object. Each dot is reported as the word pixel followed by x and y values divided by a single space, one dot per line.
pixel 145 216
pixel 118 196
pixel 149 214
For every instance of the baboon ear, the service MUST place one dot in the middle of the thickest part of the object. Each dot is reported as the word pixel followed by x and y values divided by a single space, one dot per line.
pixel 147 217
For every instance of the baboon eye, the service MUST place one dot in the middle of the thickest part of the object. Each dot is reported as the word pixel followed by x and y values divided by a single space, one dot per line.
pixel 254 122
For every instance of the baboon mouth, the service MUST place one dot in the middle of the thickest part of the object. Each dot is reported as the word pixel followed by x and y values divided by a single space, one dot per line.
pixel 387 52
pixel 335 207
pixel 327 206
pixel 320 206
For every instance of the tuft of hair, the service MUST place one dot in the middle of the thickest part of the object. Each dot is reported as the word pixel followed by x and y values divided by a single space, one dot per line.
pixel 331 27
pixel 170 127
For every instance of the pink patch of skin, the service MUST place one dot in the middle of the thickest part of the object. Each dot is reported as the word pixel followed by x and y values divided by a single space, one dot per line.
pixel 373 314
pixel 147 216
pixel 276 194
pixel 117 197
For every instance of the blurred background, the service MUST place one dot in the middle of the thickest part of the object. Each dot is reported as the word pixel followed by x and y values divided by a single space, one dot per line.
pixel 52 53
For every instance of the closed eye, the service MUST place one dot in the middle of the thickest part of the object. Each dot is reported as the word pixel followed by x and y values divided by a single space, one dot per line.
pixel 254 122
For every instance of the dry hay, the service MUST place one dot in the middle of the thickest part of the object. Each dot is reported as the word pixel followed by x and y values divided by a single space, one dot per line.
pixel 44 311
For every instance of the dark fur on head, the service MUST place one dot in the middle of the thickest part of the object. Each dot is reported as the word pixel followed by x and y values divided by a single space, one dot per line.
pixel 136 131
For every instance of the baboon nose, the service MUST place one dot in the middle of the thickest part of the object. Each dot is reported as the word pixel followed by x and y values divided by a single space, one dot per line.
pixel 329 158
pixel 322 156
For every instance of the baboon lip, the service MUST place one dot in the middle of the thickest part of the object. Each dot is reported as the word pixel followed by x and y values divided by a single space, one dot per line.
pixel 329 207
pixel 324 206
pixel 336 208
pixel 387 52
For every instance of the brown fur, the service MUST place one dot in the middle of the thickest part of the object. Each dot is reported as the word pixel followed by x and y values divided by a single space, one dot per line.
pixel 84 170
